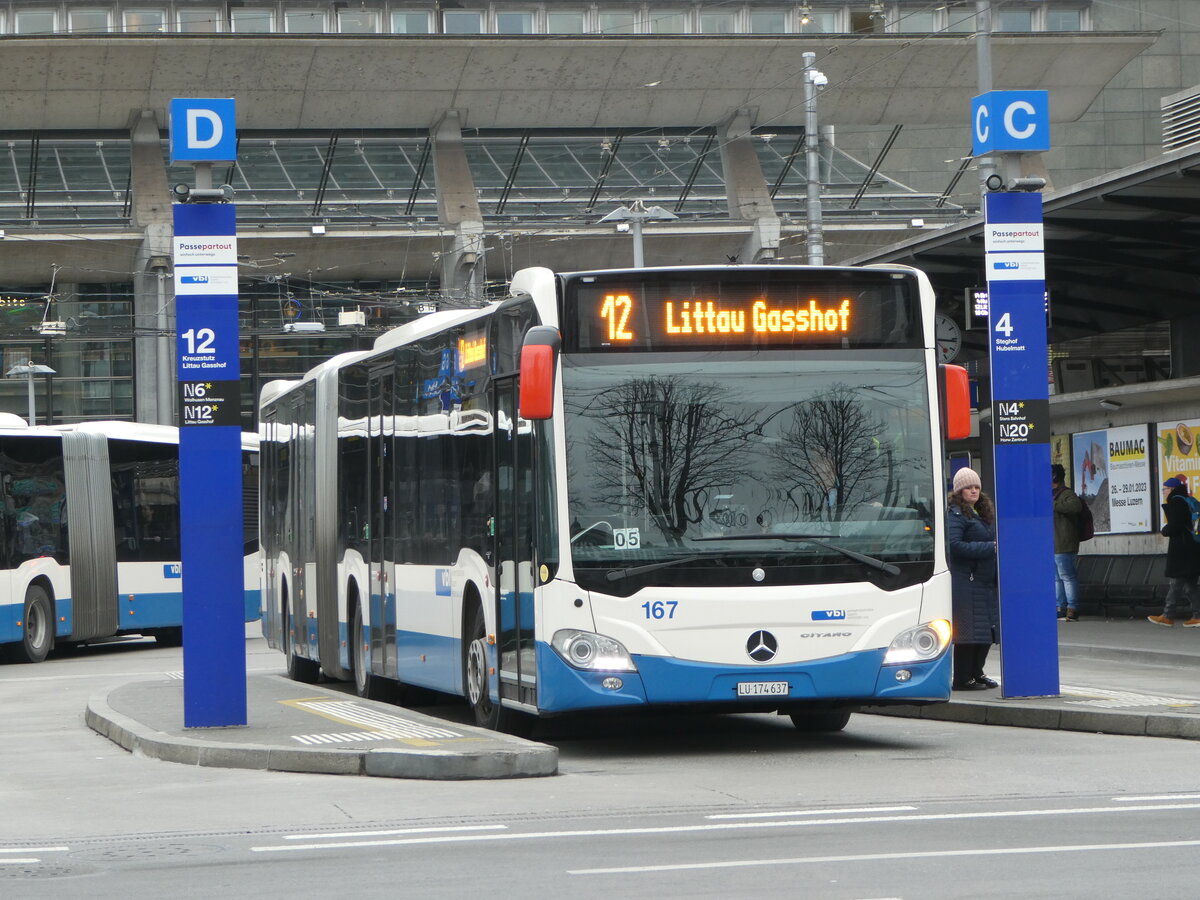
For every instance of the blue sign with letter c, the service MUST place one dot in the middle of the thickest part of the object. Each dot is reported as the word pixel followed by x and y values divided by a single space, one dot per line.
pixel 1010 122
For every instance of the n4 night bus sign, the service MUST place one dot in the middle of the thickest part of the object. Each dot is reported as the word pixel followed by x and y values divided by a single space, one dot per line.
pixel 619 313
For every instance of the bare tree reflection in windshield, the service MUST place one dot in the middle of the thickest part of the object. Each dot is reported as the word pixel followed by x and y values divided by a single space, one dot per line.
pixel 663 444
pixel 832 457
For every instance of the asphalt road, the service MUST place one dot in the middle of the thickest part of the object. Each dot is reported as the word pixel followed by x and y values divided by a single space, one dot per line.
pixel 732 806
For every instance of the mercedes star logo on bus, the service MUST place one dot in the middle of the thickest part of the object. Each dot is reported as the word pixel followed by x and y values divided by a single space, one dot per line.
pixel 762 646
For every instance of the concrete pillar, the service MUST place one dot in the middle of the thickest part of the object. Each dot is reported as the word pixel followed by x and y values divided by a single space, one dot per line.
pixel 153 286
pixel 746 189
pixel 458 209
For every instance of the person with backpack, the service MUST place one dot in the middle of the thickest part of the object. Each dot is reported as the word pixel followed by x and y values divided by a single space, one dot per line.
pixel 1183 557
pixel 1067 509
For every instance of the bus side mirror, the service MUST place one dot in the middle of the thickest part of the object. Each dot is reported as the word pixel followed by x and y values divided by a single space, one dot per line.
pixel 955 391
pixel 539 360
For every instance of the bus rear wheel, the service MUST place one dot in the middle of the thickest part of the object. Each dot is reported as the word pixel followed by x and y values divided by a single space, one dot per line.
pixel 477 684
pixel 298 668
pixel 366 685
pixel 821 721
pixel 37 632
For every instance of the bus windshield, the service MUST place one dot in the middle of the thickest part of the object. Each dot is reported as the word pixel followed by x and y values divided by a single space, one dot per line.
pixel 712 468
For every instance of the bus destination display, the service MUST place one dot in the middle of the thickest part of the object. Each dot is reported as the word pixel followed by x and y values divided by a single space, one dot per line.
pixel 650 316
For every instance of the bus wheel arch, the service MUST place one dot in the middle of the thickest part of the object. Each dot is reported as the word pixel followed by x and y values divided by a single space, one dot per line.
pixel 477 672
pixel 366 685
pixel 299 669
pixel 37 622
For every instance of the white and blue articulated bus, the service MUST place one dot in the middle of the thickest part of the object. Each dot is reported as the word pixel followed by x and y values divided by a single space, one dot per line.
pixel 709 487
pixel 89 534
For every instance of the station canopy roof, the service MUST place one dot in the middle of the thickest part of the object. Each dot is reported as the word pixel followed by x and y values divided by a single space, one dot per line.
pixel 1120 251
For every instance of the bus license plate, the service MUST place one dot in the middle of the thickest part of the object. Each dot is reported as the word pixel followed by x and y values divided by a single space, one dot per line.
pixel 762 688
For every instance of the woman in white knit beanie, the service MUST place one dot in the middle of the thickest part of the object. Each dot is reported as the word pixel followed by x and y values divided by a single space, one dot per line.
pixel 971 544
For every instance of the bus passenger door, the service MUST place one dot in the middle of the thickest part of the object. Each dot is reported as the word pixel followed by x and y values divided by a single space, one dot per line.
pixel 514 547
pixel 382 601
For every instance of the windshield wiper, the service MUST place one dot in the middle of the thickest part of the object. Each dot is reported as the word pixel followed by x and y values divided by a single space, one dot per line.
pixel 618 574
pixel 812 539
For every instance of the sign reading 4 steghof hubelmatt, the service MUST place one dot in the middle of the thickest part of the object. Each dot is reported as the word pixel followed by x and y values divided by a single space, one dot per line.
pixel 1015 262
pixel 210 469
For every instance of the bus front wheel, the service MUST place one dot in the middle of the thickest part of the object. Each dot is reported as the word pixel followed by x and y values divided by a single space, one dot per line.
pixel 477 685
pixel 820 721
pixel 37 632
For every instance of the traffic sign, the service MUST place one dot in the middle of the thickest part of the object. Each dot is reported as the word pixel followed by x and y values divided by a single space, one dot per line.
pixel 1010 122
pixel 202 131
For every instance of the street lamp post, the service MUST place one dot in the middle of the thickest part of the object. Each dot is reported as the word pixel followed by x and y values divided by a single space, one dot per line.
pixel 630 218
pixel 813 79
pixel 29 369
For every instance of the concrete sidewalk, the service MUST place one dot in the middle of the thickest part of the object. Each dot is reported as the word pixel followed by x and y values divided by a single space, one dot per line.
pixel 297 727
pixel 1117 676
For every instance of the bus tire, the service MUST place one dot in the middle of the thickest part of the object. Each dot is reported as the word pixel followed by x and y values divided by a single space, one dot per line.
pixel 366 685
pixel 477 683
pixel 821 721
pixel 169 637
pixel 37 629
pixel 298 668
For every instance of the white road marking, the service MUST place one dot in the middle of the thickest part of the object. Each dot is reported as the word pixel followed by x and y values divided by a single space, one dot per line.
pixel 19 862
pixel 33 850
pixel 340 738
pixel 381 722
pixel 811 812
pixel 1156 797
pixel 871 857
pixel 342 834
pixel 728 826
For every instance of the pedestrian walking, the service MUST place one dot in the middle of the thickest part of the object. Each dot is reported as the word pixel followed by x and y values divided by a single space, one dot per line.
pixel 1067 507
pixel 1183 558
pixel 971 533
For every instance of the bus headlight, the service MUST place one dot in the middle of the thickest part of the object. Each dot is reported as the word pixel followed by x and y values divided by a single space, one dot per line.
pixel 585 650
pixel 920 644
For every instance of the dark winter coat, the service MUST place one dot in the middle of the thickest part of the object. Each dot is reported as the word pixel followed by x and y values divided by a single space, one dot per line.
pixel 1183 552
pixel 1067 507
pixel 976 601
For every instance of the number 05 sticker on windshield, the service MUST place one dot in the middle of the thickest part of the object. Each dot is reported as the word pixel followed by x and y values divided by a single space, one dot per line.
pixel 626 538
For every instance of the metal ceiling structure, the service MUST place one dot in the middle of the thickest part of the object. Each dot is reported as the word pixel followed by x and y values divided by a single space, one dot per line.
pixel 1121 251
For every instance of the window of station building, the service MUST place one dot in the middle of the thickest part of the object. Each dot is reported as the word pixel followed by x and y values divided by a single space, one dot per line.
pixel 768 21
pixel 145 21
pixel 1012 20
pixel 304 21
pixel 514 22
pixel 1064 19
pixel 358 21
pixel 717 23
pixel 668 22
pixel 820 22
pixel 90 21
pixel 34 21
pixel 199 21
pixel 612 21
pixel 565 22
pixel 410 23
pixel 960 17
pixel 916 21
pixel 462 21
pixel 870 22
pixel 252 20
